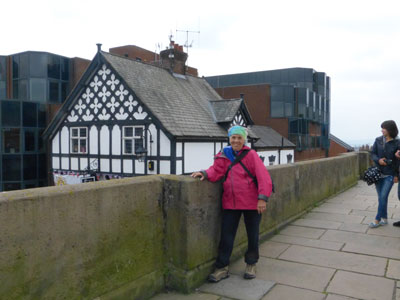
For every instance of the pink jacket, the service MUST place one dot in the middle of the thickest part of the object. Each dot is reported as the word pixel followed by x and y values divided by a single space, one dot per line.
pixel 240 191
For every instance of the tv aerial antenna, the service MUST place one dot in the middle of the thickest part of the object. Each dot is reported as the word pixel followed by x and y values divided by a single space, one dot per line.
pixel 187 45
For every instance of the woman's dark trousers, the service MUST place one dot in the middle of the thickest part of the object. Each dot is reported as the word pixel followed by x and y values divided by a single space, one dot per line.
pixel 230 222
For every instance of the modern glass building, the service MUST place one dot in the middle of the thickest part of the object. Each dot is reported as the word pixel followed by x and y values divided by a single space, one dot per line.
pixel 299 99
pixel 29 83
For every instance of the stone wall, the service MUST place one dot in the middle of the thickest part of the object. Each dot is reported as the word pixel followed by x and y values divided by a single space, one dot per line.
pixel 130 238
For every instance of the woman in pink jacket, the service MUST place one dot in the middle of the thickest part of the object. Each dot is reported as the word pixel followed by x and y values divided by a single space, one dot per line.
pixel 247 187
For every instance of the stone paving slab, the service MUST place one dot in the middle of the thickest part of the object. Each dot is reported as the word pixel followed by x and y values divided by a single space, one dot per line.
pixel 362 228
pixel 311 233
pixel 365 213
pixel 235 287
pixel 346 204
pixel 388 230
pixel 361 286
pixel 337 210
pixel 393 270
pixel 317 224
pixel 334 217
pixel 289 273
pixel 355 237
pixel 337 297
pixel 194 296
pixel 272 249
pixel 336 259
pixel 297 240
pixel 284 292
pixel 365 243
pixel 375 250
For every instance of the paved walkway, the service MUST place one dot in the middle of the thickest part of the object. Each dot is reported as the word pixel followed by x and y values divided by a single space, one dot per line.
pixel 327 254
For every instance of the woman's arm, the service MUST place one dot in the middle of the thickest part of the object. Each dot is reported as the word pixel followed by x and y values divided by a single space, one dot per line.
pixel 213 173
pixel 374 153
pixel 263 178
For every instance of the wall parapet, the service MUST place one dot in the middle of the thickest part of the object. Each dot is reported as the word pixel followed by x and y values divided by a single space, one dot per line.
pixel 130 238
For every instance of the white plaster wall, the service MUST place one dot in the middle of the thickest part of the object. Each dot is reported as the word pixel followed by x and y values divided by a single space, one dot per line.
pixel 198 156
pixel 139 167
pixel 104 165
pixel 179 149
pixel 127 165
pixel 284 154
pixel 218 148
pixel 55 162
pixel 178 167
pixel 153 145
pixel 116 141
pixel 104 140
pixel 84 163
pixel 165 144
pixel 74 163
pixel 93 146
pixel 64 140
pixel 266 154
pixel 55 145
pixel 116 165
pixel 65 163
pixel 165 167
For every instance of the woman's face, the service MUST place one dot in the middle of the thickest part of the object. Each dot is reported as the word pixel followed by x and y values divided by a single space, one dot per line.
pixel 237 142
pixel 385 132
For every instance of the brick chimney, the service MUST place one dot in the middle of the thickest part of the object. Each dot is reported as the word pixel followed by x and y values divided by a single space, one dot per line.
pixel 174 59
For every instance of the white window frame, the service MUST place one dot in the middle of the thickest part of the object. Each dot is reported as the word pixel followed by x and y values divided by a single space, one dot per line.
pixel 79 138
pixel 131 138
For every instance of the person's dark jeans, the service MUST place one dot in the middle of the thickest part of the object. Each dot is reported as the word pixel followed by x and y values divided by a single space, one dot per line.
pixel 383 187
pixel 230 222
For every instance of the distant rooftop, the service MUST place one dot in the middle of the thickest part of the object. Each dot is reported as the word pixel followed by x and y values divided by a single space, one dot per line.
pixel 278 76
pixel 340 142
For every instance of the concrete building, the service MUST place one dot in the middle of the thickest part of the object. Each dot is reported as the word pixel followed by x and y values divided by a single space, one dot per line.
pixel 32 87
pixel 294 102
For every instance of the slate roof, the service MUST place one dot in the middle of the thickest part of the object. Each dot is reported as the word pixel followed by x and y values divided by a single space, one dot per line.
pixel 269 138
pixel 181 103
pixel 340 142
pixel 225 110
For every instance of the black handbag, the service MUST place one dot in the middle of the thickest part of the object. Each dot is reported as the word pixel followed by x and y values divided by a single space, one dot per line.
pixel 372 175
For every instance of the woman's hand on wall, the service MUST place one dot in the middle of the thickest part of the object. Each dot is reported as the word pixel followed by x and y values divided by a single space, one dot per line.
pixel 198 174
pixel 261 206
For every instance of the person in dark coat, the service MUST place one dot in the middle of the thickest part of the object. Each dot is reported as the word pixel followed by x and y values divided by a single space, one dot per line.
pixel 383 154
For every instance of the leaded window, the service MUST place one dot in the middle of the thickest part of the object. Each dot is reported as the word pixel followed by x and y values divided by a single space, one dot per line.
pixel 78 136
pixel 132 139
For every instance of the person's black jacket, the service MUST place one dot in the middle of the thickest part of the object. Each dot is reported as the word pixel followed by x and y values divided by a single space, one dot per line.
pixel 383 149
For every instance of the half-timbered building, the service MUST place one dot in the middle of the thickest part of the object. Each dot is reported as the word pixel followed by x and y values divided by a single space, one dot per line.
pixel 128 118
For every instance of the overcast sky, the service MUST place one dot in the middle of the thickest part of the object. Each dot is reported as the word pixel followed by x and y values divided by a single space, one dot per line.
pixel 356 43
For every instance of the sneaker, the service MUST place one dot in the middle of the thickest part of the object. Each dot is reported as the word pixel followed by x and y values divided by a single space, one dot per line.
pixel 250 272
pixel 374 225
pixel 396 224
pixel 219 274
pixel 383 222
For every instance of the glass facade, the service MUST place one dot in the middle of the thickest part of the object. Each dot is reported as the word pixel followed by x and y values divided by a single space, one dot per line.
pixel 300 95
pixel 37 79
